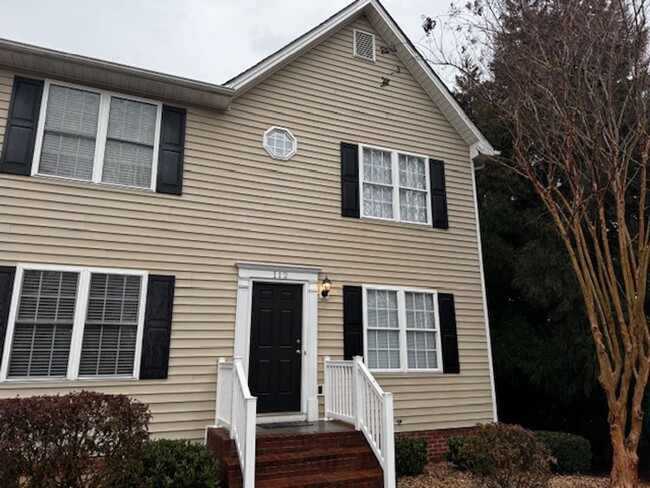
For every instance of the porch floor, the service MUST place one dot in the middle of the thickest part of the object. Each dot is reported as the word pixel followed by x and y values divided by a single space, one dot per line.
pixel 315 427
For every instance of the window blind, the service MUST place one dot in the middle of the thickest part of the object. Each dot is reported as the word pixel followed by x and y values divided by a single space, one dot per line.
pixel 128 158
pixel 43 330
pixel 70 132
pixel 111 325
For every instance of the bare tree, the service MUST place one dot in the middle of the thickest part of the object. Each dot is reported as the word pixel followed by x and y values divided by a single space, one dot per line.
pixel 570 78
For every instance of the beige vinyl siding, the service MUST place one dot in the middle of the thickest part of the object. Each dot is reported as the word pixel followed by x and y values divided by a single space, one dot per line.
pixel 238 204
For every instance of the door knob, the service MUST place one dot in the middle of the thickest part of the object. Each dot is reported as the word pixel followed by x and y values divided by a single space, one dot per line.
pixel 298 351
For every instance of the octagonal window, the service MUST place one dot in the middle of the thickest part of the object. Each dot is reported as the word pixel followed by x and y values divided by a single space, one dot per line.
pixel 280 143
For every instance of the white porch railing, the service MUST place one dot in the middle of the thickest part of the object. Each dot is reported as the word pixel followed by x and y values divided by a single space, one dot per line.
pixel 236 411
pixel 353 395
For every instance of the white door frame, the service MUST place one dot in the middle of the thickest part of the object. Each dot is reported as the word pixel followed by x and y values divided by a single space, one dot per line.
pixel 249 273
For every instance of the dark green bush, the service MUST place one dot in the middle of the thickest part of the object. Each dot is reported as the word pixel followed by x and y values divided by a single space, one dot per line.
pixel 572 453
pixel 410 455
pixel 83 439
pixel 455 445
pixel 179 464
pixel 507 456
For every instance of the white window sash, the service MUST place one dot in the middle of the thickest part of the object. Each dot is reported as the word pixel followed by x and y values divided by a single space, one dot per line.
pixel 81 307
pixel 100 137
pixel 401 314
pixel 395 185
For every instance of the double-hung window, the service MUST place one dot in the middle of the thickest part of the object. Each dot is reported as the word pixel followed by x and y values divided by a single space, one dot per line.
pixel 97 136
pixel 401 329
pixel 394 185
pixel 68 323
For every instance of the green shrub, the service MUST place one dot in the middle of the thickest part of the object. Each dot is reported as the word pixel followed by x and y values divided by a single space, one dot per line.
pixel 83 439
pixel 455 445
pixel 410 455
pixel 572 453
pixel 507 456
pixel 179 464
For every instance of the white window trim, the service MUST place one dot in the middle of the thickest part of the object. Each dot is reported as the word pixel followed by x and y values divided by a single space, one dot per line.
pixel 374 46
pixel 266 147
pixel 81 306
pixel 401 314
pixel 100 137
pixel 394 159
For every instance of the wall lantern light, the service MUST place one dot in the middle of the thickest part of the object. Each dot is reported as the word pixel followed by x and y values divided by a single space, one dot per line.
pixel 325 287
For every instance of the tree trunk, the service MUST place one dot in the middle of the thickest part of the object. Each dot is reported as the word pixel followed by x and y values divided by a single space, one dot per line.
pixel 625 462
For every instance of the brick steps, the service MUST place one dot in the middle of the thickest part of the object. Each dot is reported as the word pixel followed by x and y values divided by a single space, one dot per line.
pixel 302 460
pixel 367 478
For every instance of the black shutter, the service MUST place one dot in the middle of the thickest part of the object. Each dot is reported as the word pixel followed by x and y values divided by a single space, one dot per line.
pixel 157 327
pixel 352 322
pixel 438 194
pixel 170 158
pixel 449 335
pixel 349 180
pixel 6 287
pixel 22 122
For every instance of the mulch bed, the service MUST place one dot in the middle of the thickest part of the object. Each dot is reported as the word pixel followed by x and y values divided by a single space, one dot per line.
pixel 444 475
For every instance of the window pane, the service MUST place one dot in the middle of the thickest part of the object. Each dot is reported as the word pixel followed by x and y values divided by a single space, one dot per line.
pixel 377 201
pixel 70 130
pixel 67 156
pixel 72 111
pixel 43 329
pixel 132 121
pixel 377 166
pixel 413 206
pixel 412 172
pixel 127 164
pixel 382 309
pixel 279 143
pixel 421 350
pixel 383 329
pixel 419 311
pixel 111 325
pixel 129 148
pixel 383 349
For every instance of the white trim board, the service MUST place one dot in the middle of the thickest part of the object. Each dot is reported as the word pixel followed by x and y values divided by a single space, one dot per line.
pixel 249 273
pixel 486 317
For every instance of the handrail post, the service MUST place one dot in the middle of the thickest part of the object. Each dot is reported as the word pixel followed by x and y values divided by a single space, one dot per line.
pixel 388 447
pixel 326 386
pixel 218 401
pixel 249 475
pixel 234 420
pixel 358 389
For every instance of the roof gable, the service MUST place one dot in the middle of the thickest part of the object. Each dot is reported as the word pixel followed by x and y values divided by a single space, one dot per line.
pixel 405 51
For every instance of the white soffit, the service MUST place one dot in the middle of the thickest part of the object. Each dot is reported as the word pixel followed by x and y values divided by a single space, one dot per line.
pixel 44 62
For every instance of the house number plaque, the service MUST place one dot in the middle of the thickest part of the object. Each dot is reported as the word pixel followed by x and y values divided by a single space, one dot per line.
pixel 280 275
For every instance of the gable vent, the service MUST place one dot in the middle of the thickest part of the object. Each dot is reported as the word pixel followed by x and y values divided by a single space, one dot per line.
pixel 364 45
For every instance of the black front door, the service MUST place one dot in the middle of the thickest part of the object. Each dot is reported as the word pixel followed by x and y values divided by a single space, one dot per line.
pixel 276 350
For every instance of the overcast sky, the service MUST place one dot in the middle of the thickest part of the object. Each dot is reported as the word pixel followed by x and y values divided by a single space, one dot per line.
pixel 208 40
